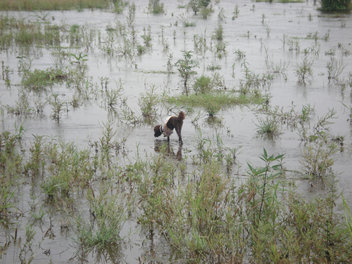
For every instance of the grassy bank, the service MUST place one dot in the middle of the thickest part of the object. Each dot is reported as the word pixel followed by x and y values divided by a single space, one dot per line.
pixel 30 5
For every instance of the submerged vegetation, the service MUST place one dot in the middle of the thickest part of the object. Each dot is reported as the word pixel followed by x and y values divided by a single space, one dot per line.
pixel 82 179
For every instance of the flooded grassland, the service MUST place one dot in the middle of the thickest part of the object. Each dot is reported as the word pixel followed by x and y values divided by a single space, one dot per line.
pixel 262 176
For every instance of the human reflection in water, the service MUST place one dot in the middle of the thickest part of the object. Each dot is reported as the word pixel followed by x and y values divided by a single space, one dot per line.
pixel 163 146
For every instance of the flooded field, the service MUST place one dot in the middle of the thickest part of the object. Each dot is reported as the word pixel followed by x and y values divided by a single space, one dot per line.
pixel 266 153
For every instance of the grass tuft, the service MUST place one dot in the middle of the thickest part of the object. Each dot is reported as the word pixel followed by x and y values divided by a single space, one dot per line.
pixel 39 79
pixel 214 102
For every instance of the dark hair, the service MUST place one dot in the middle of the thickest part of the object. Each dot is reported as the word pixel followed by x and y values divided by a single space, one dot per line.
pixel 181 115
pixel 157 131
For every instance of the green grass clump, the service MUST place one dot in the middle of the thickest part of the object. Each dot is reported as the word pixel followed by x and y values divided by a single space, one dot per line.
pixel 211 219
pixel 155 7
pixel 23 33
pixel 198 213
pixel 102 235
pixel 218 34
pixel 39 79
pixel 36 164
pixel 268 127
pixel 348 216
pixel 27 35
pixel 52 4
pixel 10 170
pixel 214 102
pixel 335 5
pixel 147 104
pixel 319 148
pixel 185 67
pixel 119 6
pixel 69 167
pixel 155 178
pixel 202 85
pixel 202 6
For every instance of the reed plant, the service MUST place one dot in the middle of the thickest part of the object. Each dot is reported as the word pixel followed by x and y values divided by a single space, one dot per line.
pixel 26 254
pixel 202 85
pixel 22 107
pixel 108 146
pixel 57 106
pixel 119 6
pixel 155 181
pixel 131 15
pixel 290 117
pixel 101 235
pixel 200 44
pixel 148 104
pixel 28 34
pixel 6 203
pixel 155 7
pixel 335 68
pixel 348 216
pixel 67 167
pixel 112 97
pixel 318 159
pixel 11 160
pixel 11 166
pixel 319 149
pixel 36 163
pixel 147 37
pixel 218 34
pixel 253 83
pixel 304 71
pixel 197 211
pixel 268 127
pixel 185 67
pixel 127 115
pixel 202 6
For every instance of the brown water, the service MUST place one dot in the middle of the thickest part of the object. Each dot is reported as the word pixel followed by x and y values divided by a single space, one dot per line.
pixel 283 22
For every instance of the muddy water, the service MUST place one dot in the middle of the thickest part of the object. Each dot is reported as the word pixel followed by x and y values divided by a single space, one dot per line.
pixel 282 23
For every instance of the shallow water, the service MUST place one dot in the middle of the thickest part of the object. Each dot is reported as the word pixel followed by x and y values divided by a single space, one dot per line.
pixel 283 22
